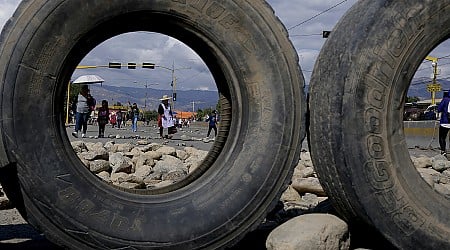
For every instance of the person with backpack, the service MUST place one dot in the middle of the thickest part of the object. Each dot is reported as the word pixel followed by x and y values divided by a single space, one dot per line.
pixel 444 122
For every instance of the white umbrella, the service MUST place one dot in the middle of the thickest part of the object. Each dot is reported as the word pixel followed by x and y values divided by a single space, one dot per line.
pixel 88 79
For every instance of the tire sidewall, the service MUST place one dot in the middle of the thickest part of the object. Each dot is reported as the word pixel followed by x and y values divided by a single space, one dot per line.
pixel 390 40
pixel 227 200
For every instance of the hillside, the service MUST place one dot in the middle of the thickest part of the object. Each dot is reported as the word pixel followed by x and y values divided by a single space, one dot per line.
pixel 202 99
pixel 419 88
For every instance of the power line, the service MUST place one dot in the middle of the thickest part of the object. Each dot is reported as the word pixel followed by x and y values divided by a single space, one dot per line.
pixel 447 56
pixel 431 67
pixel 427 81
pixel 325 11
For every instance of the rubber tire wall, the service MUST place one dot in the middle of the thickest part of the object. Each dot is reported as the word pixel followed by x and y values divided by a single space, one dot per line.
pixel 257 74
pixel 357 94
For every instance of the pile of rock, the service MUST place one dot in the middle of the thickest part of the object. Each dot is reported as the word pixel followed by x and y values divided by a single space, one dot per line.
pixel 142 166
pixel 303 219
pixel 435 171
pixel 151 165
pixel 4 201
pixel 320 229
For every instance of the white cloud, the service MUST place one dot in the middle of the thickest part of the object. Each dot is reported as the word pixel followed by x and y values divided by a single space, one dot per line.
pixel 6 10
pixel 163 50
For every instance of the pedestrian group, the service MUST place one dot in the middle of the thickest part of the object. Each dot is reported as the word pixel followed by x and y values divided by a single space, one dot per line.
pixel 85 105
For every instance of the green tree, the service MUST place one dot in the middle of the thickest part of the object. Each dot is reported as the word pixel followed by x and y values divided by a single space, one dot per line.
pixel 151 115
pixel 201 113
pixel 74 91
pixel 412 99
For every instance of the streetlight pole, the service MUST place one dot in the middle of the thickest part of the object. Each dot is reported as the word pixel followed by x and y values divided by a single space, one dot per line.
pixel 173 82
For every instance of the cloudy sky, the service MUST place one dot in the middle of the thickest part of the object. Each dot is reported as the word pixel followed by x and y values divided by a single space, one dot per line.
pixel 304 19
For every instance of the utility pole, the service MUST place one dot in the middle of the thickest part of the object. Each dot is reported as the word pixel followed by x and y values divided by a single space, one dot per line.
pixel 145 101
pixel 174 86
pixel 146 92
pixel 193 107
pixel 173 82
pixel 434 86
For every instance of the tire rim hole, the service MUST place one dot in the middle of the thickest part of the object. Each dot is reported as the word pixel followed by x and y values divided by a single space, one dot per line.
pixel 422 119
pixel 143 162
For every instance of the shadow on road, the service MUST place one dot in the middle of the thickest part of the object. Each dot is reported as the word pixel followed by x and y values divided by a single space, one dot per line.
pixel 23 236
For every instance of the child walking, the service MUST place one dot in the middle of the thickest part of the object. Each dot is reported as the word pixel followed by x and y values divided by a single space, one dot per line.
pixel 103 117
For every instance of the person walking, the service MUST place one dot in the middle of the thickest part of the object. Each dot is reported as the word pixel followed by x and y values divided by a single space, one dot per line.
pixel 119 118
pixel 212 119
pixel 103 117
pixel 444 122
pixel 113 119
pixel 134 117
pixel 83 111
pixel 165 118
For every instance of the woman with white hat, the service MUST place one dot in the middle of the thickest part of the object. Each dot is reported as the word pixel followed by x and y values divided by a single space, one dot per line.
pixel 165 118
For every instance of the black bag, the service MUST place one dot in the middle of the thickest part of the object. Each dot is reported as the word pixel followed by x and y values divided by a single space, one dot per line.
pixel 172 130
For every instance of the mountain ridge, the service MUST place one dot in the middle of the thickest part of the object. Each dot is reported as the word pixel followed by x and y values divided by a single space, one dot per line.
pixel 419 88
pixel 148 98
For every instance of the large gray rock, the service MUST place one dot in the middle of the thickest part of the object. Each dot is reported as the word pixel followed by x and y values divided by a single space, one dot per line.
pixel 142 172
pixel 431 176
pixel 118 178
pixel 144 160
pixel 78 146
pixel 110 146
pixel 99 166
pixel 166 150
pixel 310 232
pixel 421 161
pixel 440 163
pixel 168 164
pixel 125 147
pixel 93 146
pixel 443 189
pixel 194 158
pixel 106 176
pixel 290 194
pixel 95 151
pixel 120 163
pixel 308 185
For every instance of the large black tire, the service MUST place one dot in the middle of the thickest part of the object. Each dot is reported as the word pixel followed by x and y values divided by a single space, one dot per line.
pixel 256 70
pixel 357 92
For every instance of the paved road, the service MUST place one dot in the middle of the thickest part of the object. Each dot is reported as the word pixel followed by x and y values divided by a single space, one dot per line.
pixel 15 233
pixel 198 131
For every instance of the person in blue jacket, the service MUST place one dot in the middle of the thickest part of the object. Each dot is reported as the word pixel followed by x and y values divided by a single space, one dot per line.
pixel 212 120
pixel 444 122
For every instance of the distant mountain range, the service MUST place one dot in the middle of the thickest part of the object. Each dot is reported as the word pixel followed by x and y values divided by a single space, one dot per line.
pixel 148 98
pixel 419 88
